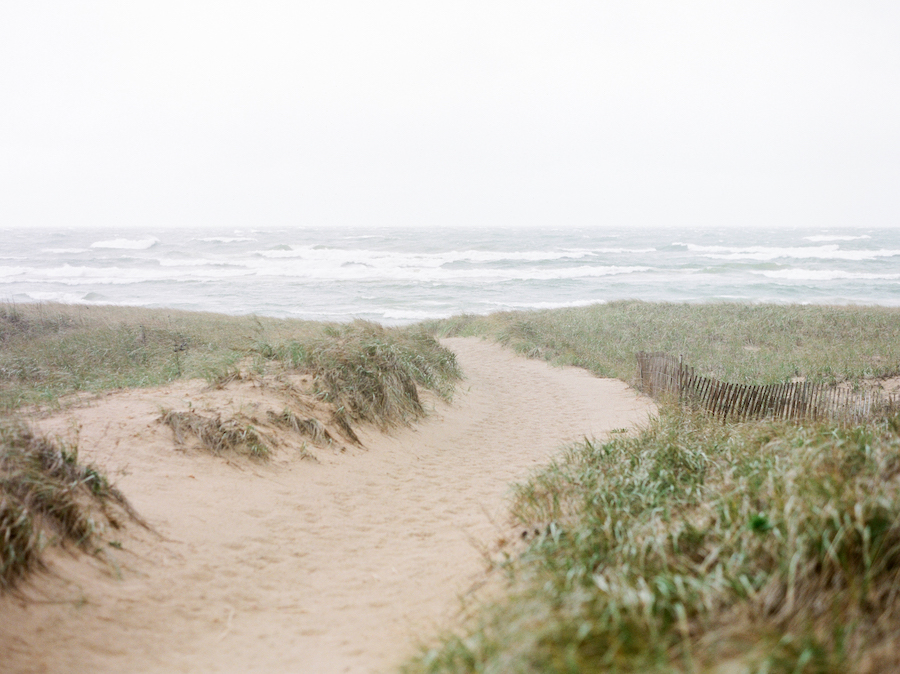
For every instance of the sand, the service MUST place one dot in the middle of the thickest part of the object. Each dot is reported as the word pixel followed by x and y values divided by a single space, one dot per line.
pixel 340 565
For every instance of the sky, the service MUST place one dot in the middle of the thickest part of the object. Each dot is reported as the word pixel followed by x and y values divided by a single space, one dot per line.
pixel 223 114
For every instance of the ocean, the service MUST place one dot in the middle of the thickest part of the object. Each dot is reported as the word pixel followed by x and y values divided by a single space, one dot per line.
pixel 398 276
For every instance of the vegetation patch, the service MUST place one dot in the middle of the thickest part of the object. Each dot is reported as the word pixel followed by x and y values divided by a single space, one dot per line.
pixel 232 435
pixel 697 545
pixel 47 497
pixel 770 546
pixel 370 373
pixel 367 372
pixel 309 427
pixel 739 343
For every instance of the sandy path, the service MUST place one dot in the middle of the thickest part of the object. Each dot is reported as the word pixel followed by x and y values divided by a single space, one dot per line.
pixel 294 566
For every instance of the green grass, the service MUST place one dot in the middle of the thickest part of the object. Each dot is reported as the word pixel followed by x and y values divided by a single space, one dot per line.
pixel 772 546
pixel 737 343
pixel 49 351
pixel 371 373
pixel 698 546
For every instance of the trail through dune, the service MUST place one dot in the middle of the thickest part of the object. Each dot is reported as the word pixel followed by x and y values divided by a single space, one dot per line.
pixel 296 566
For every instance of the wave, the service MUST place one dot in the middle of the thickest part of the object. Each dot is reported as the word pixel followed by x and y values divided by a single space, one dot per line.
pixel 548 305
pixel 13 271
pixel 225 239
pixel 824 238
pixel 826 275
pixel 424 274
pixel 65 251
pixel 127 244
pixel 412 315
pixel 401 259
pixel 398 258
pixel 766 253
pixel 65 298
pixel 79 275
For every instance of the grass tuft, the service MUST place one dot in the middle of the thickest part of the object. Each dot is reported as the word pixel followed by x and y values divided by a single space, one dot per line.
pixel 48 497
pixel 218 436
pixel 370 373
pixel 309 427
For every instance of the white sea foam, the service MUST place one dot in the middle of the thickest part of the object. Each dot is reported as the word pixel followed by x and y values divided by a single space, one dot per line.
pixel 766 253
pixel 6 272
pixel 77 275
pixel 405 259
pixel 407 315
pixel 547 305
pixel 824 238
pixel 225 239
pixel 825 275
pixel 391 272
pixel 62 297
pixel 65 251
pixel 127 244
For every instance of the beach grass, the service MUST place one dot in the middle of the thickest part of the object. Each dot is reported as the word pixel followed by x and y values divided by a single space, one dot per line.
pixel 51 351
pixel 368 372
pixel 51 354
pixel 47 497
pixel 234 435
pixel 701 547
pixel 698 546
pixel 737 343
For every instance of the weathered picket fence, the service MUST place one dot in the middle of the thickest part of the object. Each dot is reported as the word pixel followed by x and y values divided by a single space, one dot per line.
pixel 662 374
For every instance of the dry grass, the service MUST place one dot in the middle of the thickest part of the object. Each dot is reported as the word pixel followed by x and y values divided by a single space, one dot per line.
pixel 47 498
pixel 309 427
pixel 234 435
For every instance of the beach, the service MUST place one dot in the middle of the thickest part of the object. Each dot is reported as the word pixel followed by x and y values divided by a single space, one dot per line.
pixel 347 562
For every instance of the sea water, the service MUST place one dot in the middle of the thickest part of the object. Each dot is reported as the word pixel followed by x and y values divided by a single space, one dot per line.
pixel 397 276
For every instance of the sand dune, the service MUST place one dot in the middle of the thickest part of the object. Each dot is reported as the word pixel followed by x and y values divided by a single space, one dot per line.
pixel 293 565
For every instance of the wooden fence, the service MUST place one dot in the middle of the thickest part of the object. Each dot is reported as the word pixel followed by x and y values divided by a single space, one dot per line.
pixel 662 374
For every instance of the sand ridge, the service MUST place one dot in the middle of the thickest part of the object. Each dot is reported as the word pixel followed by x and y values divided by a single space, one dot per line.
pixel 298 566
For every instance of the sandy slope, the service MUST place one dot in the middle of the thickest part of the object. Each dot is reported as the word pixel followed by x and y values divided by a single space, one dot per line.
pixel 297 566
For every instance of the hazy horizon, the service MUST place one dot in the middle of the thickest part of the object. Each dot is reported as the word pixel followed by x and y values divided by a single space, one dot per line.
pixel 235 115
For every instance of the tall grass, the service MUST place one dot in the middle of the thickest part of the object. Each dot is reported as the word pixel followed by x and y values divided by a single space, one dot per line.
pixel 370 373
pixel 763 547
pixel 738 343
pixel 698 546
pixel 48 351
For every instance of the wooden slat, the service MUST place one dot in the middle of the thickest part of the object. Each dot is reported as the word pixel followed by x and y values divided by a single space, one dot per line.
pixel 662 374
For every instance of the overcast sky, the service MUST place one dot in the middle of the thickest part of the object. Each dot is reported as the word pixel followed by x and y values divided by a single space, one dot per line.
pixel 508 112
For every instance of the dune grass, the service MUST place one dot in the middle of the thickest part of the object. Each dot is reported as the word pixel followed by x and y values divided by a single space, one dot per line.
pixel 49 351
pixel 47 497
pixel 698 546
pixel 234 435
pixel 371 373
pixel 737 343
